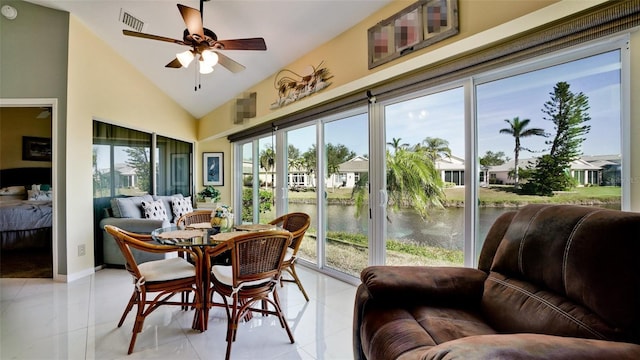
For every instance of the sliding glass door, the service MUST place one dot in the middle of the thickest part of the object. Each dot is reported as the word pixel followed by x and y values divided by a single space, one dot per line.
pixel 343 198
pixel 425 187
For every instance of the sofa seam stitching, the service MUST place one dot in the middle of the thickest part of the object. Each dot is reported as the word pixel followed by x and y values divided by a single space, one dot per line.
pixel 565 255
pixel 523 240
pixel 552 306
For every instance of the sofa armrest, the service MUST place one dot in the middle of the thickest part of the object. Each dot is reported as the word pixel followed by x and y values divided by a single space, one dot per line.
pixel 406 284
pixel 424 283
pixel 526 347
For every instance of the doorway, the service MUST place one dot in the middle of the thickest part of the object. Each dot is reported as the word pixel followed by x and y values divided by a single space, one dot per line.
pixel 28 166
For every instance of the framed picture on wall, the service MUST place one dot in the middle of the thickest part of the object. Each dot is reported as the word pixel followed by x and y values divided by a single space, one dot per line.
pixel 213 168
pixel 36 148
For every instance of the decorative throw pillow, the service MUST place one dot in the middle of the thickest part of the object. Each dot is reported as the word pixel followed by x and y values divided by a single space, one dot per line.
pixel 154 210
pixel 181 207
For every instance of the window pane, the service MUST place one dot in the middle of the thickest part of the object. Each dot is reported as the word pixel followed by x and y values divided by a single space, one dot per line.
pixel 267 167
pixel 346 152
pixel 258 176
pixel 174 166
pixel 559 127
pixel 123 156
pixel 301 197
pixel 425 180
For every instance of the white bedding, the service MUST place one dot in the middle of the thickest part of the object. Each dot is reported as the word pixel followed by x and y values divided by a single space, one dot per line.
pixel 17 215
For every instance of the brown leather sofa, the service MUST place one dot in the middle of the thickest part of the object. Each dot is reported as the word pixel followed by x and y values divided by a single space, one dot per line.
pixel 553 282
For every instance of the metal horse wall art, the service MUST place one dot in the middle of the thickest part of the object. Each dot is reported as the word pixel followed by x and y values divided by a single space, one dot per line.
pixel 292 86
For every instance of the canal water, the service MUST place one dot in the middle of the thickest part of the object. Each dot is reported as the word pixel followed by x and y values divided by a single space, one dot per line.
pixel 443 228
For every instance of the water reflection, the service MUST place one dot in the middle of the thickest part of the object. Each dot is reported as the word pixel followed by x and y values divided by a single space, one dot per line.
pixel 444 228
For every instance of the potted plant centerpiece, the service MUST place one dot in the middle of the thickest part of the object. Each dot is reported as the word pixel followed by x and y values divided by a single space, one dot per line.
pixel 209 194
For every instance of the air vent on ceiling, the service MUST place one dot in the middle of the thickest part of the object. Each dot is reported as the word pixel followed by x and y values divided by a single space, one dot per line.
pixel 130 20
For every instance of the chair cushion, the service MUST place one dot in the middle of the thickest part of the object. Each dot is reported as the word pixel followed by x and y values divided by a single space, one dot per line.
pixel 154 210
pixel 224 274
pixel 288 255
pixel 167 269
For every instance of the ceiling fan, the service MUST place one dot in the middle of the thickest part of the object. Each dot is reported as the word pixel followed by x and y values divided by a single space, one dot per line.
pixel 204 44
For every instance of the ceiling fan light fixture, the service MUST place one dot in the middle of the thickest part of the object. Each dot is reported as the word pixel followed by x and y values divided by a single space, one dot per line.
pixel 185 58
pixel 205 69
pixel 209 58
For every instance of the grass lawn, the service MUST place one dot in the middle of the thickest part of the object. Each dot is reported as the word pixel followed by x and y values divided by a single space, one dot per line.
pixel 505 196
pixel 500 196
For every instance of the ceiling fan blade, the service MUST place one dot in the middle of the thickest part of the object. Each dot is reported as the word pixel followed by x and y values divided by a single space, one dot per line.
pixel 243 44
pixel 175 63
pixel 227 62
pixel 193 19
pixel 152 37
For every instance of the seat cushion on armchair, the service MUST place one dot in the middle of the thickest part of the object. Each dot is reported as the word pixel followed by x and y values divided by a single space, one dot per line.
pixel 525 347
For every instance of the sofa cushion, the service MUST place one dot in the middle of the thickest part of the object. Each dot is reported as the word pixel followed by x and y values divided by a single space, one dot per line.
pixel 181 207
pixel 568 281
pixel 166 201
pixel 525 347
pixel 154 210
pixel 129 207
pixel 387 332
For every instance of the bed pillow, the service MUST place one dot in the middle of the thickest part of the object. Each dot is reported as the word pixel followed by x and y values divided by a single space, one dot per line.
pixel 181 207
pixel 154 210
pixel 13 190
pixel 38 195
pixel 129 207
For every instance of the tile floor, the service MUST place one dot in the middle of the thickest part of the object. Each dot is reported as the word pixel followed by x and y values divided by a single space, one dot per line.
pixel 42 319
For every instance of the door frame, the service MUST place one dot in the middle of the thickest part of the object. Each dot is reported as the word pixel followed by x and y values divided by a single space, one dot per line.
pixel 53 103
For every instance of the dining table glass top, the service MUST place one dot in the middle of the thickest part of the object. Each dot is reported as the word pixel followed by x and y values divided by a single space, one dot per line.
pixel 203 235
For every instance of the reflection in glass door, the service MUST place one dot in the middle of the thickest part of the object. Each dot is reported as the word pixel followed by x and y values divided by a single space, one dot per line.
pixel 345 165
pixel 425 149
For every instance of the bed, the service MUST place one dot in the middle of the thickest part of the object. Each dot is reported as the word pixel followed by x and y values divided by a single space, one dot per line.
pixel 26 213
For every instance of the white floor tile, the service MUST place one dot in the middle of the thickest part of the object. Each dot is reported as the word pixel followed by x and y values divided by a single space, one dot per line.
pixel 42 319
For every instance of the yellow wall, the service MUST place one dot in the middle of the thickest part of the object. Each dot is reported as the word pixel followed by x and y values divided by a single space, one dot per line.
pixel 16 122
pixel 103 86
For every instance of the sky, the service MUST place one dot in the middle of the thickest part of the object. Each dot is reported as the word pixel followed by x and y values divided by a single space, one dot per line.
pixel 442 114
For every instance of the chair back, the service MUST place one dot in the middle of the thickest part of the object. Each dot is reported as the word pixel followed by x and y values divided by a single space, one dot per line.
pixel 258 255
pixel 123 239
pixel 194 217
pixel 144 242
pixel 297 223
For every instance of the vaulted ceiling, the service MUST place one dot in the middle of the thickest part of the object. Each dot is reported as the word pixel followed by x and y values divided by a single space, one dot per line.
pixel 291 28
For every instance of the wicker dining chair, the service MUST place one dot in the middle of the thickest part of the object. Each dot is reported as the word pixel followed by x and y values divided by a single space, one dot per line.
pixel 297 223
pixel 194 217
pixel 165 278
pixel 252 278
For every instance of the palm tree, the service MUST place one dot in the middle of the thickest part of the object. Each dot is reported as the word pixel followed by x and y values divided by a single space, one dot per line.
pixel 268 161
pixel 412 180
pixel 435 148
pixel 395 144
pixel 518 129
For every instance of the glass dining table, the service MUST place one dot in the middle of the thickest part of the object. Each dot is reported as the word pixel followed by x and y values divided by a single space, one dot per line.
pixel 198 237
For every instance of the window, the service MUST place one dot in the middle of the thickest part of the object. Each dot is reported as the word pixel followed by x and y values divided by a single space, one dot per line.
pixel 518 116
pixel 466 130
pixel 122 163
